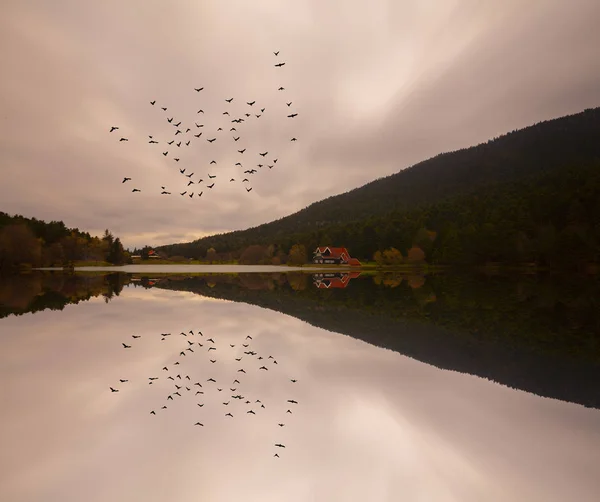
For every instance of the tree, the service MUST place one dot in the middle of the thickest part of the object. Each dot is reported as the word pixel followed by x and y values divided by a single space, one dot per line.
pixel 18 245
pixel 297 255
pixel 211 255
pixel 253 255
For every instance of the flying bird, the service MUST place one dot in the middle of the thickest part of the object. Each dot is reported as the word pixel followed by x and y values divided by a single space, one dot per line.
pixel 235 139
pixel 248 189
pixel 293 139
pixel 210 186
pixel 251 103
pixel 113 128
pixel 136 190
pixel 242 151
pixel 125 346
pixel 263 154
pixel 211 140
pixel 276 53
pixel 200 111
pixel 279 65
pixel 198 90
pixel 229 100
pixel 281 89
pixel 152 102
pixel 126 179
pixel 123 139
pixel 289 104
pixel 292 115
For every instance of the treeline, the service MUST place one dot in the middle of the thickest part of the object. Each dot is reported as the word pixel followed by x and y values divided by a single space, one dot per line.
pixel 551 219
pixel 460 198
pixel 29 242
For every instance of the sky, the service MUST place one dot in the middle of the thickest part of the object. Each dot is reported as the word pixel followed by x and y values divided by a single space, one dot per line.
pixel 377 85
pixel 369 423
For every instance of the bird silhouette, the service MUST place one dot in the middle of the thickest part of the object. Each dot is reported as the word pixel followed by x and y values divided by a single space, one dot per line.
pixel 198 90
pixel 232 179
pixel 279 65
pixel 176 160
pixel 292 115
pixel 178 124
pixel 125 346
pixel 250 411
pixel 281 89
pixel 170 142
pixel 165 153
pixel 262 110
pixel 164 109
pixel 263 154
pixel 114 390
pixel 293 139
pixel 289 104
pixel 235 139
pixel 211 140
pixel 198 423
pixel 281 425
pixel 276 53
pixel 113 128
pixel 152 102
pixel 251 103
pixel 123 380
pixel 198 135
pixel 152 412
pixel 126 179
pixel 242 151
pixel 236 381
pixel 170 121
pixel 200 111
pixel 228 415
pixel 229 100
pixel 248 189
pixel 211 380
pixel 123 139
pixel 280 445
pixel 292 401
pixel 210 186
pixel 292 380
pixel 263 368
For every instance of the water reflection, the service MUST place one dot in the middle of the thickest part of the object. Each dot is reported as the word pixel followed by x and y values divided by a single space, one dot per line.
pixel 534 333
pixel 371 424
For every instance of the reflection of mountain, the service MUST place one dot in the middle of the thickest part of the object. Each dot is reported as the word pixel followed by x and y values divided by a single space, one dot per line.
pixel 20 294
pixel 334 280
pixel 536 335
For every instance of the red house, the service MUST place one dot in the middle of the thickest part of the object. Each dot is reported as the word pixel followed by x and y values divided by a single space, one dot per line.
pixel 336 256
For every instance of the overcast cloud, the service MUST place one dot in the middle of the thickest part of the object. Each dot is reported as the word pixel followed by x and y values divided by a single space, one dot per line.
pixel 377 87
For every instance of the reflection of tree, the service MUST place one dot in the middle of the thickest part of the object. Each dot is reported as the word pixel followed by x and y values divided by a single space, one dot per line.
pixel 534 333
pixel 39 291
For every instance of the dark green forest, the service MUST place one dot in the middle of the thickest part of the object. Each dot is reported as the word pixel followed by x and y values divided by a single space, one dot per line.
pixel 530 196
pixel 29 242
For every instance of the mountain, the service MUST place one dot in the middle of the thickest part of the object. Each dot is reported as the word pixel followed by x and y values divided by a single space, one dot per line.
pixel 389 212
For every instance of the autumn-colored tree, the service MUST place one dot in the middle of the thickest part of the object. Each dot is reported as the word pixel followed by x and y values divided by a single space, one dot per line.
pixel 297 255
pixel 18 245
pixel 415 255
pixel 211 255
pixel 378 258
pixel 392 256
pixel 253 255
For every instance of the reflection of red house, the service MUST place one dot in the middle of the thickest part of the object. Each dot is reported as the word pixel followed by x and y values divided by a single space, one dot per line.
pixel 336 256
pixel 336 280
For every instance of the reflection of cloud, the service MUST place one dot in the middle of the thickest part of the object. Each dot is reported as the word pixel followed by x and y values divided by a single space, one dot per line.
pixel 412 81
pixel 370 424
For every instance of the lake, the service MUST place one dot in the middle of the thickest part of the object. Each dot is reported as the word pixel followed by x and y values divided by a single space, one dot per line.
pixel 407 387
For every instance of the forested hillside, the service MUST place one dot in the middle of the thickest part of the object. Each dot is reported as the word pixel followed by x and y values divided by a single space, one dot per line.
pixel 530 195
pixel 32 242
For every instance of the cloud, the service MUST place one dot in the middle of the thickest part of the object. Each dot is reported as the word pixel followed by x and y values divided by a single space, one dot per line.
pixel 377 87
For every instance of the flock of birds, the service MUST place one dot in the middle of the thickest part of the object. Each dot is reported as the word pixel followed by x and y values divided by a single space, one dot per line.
pixel 184 135
pixel 184 386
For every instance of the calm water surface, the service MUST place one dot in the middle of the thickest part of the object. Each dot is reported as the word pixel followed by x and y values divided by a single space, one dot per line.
pixel 370 424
